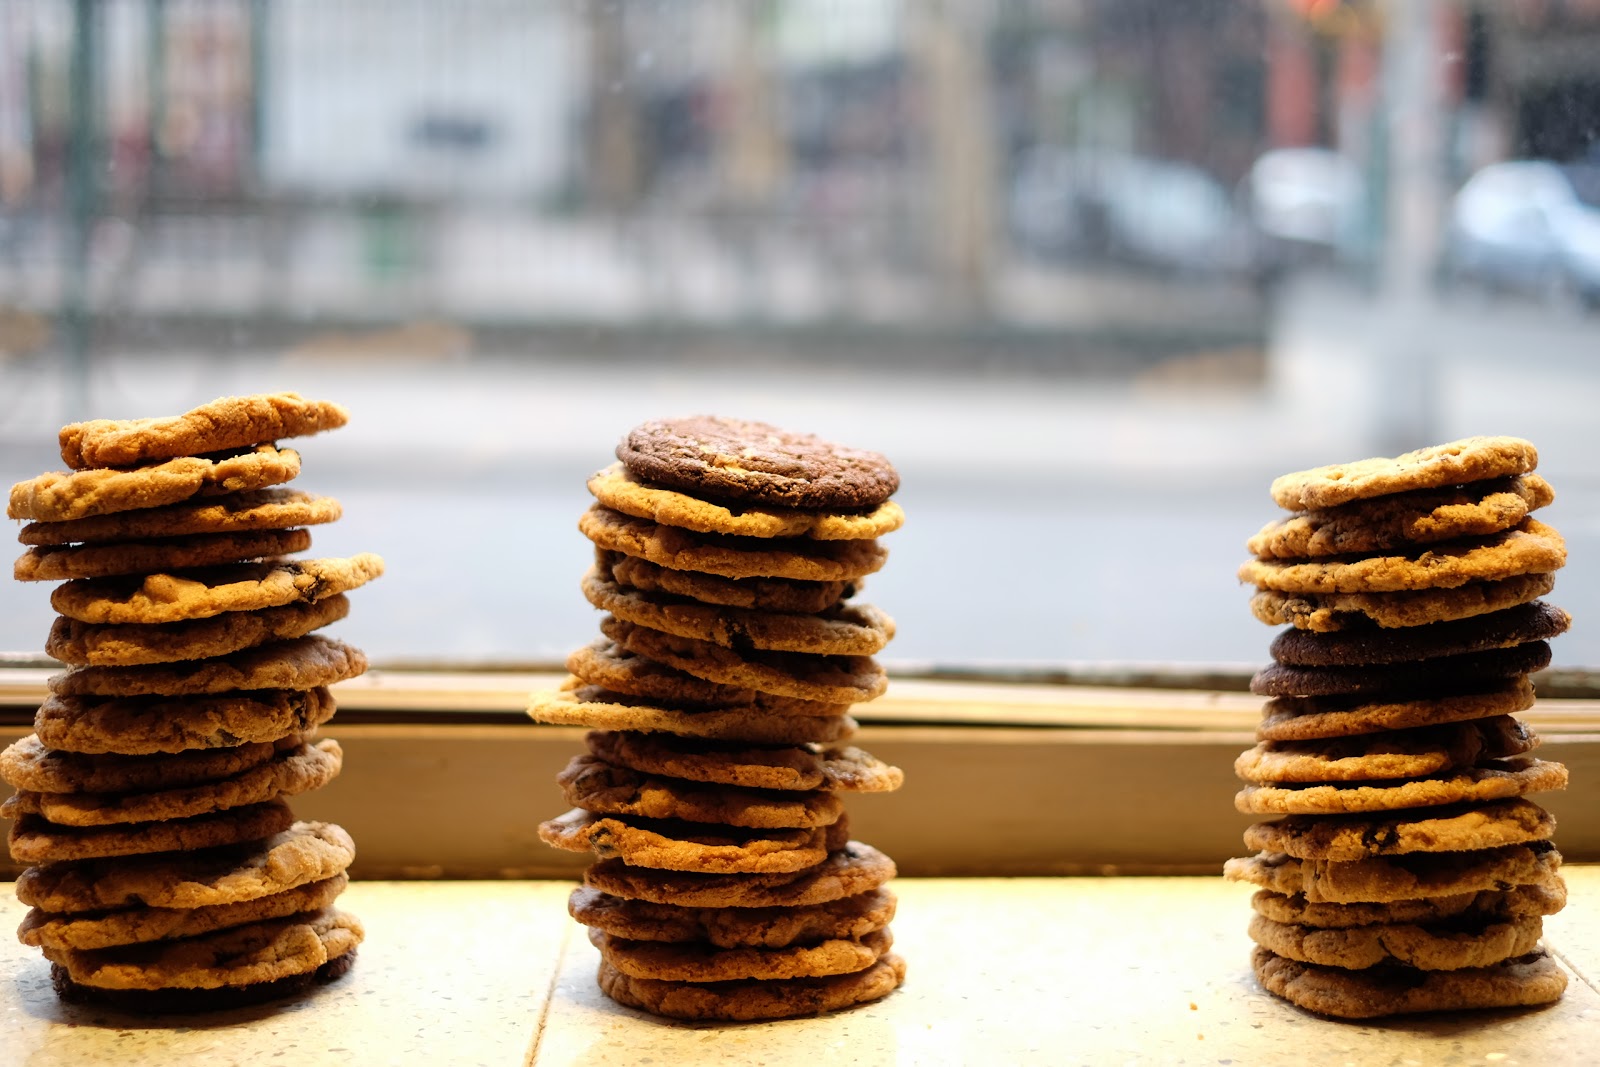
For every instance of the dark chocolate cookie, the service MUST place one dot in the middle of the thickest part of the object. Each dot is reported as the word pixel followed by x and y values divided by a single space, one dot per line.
pixel 1537 621
pixel 734 459
pixel 184 1001
pixel 1442 676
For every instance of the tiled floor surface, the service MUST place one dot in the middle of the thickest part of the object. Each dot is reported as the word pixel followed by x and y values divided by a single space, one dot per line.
pixel 1046 971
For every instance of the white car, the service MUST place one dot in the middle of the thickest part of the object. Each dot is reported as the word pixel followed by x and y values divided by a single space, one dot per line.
pixel 1155 213
pixel 1305 205
pixel 1530 226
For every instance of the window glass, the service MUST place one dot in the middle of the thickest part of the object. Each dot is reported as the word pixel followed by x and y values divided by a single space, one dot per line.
pixel 1091 272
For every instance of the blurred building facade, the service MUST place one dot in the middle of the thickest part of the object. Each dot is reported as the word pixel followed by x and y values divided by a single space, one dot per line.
pixel 905 155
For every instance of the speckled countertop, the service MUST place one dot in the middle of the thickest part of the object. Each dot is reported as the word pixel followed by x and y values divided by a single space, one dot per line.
pixel 1046 971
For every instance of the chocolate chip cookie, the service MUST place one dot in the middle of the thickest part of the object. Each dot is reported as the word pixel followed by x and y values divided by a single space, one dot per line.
pixel 167 872
pixel 727 556
pixel 227 422
pixel 1410 873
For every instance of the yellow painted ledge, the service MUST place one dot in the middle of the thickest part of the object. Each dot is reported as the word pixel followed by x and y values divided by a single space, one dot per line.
pixel 1025 971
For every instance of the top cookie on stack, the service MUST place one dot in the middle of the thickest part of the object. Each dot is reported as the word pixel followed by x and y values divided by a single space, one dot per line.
pixel 189 710
pixel 735 459
pixel 1448 528
pixel 728 888
pixel 1409 873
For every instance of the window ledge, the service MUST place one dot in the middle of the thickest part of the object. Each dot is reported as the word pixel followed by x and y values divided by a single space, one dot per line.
pixel 445 776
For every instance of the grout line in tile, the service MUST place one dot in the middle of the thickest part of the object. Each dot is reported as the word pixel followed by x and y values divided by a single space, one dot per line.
pixel 1569 964
pixel 549 996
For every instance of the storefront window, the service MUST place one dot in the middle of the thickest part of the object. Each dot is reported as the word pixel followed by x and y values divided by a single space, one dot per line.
pixel 1090 272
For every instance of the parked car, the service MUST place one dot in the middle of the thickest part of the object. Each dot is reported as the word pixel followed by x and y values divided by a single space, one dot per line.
pixel 1304 206
pixel 1113 206
pixel 1529 226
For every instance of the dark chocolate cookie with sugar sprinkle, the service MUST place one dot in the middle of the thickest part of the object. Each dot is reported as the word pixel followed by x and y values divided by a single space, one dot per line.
pixel 736 459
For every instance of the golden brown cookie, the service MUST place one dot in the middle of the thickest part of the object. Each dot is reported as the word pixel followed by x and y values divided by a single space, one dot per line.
pixel 750 1000
pixel 1332 612
pixel 765 767
pixel 849 870
pixel 1471 459
pixel 1487 905
pixel 83 644
pixel 1518 982
pixel 33 840
pixel 738 459
pixel 701 760
pixel 851 770
pixel 1427 750
pixel 617 488
pixel 591 706
pixel 798 558
pixel 227 422
pixel 1415 876
pixel 601 788
pixel 144 726
pixel 688 962
pixel 261 509
pixel 751 594
pixel 187 1001
pixel 1354 837
pixel 699 847
pixel 295 771
pixel 28 765
pixel 299 663
pixel 162 598
pixel 1391 522
pixel 844 629
pixel 1306 718
pixel 606 665
pixel 771 927
pixel 301 854
pixel 1448 947
pixel 147 557
pixel 94 930
pixel 1529 548
pixel 825 679
pixel 64 497
pixel 1495 780
pixel 262 951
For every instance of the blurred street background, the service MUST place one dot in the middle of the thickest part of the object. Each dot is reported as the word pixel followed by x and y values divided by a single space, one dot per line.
pixel 1090 272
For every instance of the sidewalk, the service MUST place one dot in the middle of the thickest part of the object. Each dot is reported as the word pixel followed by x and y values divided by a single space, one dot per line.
pixel 1050 519
pixel 302 265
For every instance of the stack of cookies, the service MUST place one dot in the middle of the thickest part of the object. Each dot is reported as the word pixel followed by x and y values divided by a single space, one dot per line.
pixel 727 886
pixel 166 870
pixel 1408 871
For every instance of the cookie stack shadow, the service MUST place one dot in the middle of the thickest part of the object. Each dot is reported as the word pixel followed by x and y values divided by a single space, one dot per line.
pixel 166 871
pixel 726 884
pixel 1407 870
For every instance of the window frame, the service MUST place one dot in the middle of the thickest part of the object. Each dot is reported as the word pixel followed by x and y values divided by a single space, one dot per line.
pixel 1008 773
